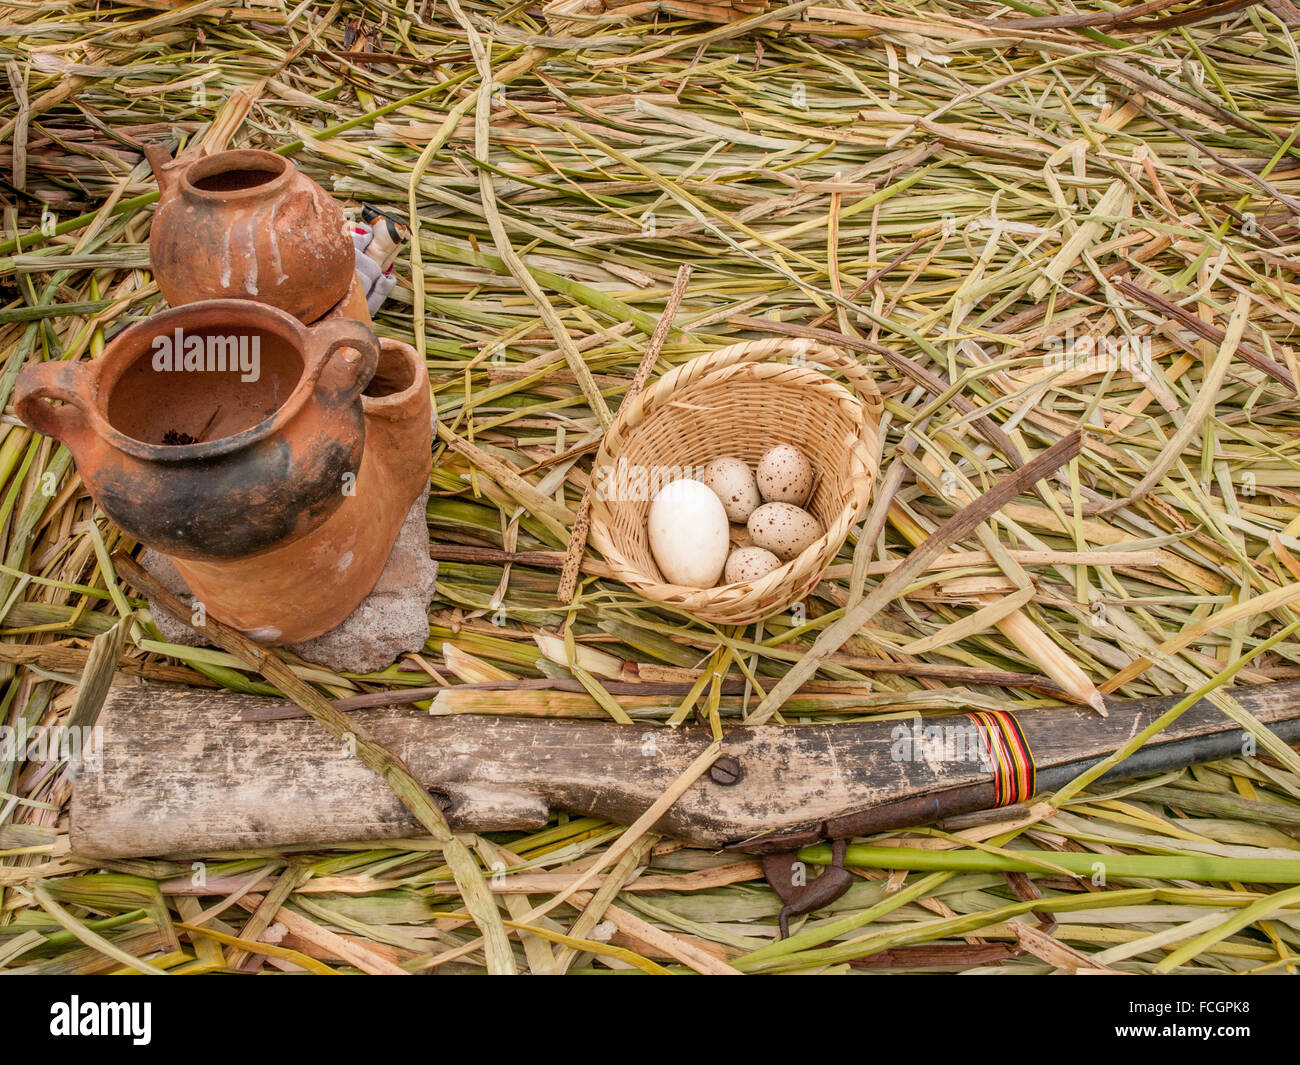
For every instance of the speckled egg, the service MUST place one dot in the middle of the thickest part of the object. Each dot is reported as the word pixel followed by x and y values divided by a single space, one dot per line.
pixel 785 475
pixel 689 534
pixel 748 564
pixel 783 529
pixel 734 482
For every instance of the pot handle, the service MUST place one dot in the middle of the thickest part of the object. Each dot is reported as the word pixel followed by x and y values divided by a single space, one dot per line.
pixel 159 160
pixel 342 357
pixel 41 382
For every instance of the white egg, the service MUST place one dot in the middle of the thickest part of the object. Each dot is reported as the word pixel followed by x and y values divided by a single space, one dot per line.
pixel 749 564
pixel 785 475
pixel 734 482
pixel 689 534
pixel 783 529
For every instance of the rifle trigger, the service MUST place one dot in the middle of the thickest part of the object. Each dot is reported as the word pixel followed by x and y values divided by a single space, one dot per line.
pixel 780 870
pixel 800 896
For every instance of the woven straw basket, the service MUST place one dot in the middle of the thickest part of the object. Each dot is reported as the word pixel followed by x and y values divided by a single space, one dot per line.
pixel 741 401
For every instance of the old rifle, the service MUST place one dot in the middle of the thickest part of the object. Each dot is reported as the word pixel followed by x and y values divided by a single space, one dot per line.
pixel 186 771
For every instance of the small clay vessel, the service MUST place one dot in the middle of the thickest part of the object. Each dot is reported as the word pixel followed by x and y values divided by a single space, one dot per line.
pixel 248 225
pixel 216 430
pixel 299 591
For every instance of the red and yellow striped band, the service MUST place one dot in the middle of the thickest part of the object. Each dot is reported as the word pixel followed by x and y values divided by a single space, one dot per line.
pixel 1010 758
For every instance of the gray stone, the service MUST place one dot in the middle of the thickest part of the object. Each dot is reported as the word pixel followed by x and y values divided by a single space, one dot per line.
pixel 392 620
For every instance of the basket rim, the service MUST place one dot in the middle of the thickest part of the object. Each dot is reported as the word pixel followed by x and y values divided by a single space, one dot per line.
pixel 748 600
pixel 738 357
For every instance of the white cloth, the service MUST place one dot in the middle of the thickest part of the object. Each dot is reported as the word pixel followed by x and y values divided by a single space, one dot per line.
pixel 376 283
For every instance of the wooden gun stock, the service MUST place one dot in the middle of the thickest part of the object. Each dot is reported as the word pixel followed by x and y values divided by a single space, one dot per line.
pixel 179 771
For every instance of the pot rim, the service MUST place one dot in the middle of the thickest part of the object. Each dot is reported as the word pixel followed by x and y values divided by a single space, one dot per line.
pixel 122 352
pixel 231 160
pixel 393 402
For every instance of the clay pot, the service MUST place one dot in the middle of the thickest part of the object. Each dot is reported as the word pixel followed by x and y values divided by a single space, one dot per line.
pixel 205 462
pixel 296 592
pixel 352 305
pixel 248 225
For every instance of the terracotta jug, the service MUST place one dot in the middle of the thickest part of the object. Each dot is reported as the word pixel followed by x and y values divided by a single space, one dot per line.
pixel 298 591
pixel 246 440
pixel 249 225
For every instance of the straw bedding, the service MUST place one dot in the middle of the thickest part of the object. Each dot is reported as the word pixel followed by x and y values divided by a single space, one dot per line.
pixel 1019 220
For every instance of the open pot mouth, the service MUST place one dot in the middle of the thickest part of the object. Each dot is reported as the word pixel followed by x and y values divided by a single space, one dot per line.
pixel 136 387
pixel 235 175
pixel 398 376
